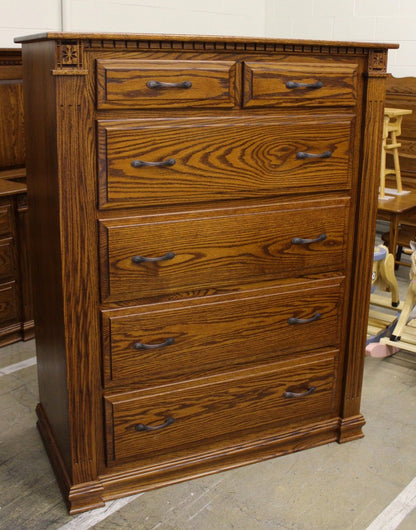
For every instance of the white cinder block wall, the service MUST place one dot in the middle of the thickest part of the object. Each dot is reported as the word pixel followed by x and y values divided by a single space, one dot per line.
pixel 356 20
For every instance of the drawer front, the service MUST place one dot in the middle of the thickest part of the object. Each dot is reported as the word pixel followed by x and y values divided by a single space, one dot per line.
pixel 7 262
pixel 219 249
pixel 300 84
pixel 202 160
pixel 166 84
pixel 218 413
pixel 8 302
pixel 6 225
pixel 172 342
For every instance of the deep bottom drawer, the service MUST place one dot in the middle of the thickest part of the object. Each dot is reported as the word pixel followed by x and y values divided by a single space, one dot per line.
pixel 218 413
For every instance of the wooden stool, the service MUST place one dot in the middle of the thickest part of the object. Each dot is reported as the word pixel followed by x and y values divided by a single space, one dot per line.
pixel 392 128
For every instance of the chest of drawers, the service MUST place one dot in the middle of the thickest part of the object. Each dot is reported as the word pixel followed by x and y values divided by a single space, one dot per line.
pixel 202 212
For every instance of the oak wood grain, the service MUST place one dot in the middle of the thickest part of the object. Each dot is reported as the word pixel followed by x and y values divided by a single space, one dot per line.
pixel 266 84
pixel 230 217
pixel 221 249
pixel 256 323
pixel 218 410
pixel 124 84
pixel 224 159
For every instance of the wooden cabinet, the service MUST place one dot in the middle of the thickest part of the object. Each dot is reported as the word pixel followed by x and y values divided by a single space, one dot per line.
pixel 16 315
pixel 204 214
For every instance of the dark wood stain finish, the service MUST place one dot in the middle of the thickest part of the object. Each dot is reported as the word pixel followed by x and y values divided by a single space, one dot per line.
pixel 208 313
pixel 16 313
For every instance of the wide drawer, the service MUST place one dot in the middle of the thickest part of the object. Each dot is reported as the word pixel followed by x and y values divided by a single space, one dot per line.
pixel 7 261
pixel 218 412
pixel 299 84
pixel 145 84
pixel 150 256
pixel 152 162
pixel 165 343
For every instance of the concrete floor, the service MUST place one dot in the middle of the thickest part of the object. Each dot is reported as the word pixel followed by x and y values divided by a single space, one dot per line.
pixel 330 487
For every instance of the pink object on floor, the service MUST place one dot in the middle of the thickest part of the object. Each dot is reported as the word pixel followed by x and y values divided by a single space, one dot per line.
pixel 376 349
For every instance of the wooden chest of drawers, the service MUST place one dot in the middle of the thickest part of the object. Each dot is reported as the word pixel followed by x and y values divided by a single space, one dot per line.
pixel 204 214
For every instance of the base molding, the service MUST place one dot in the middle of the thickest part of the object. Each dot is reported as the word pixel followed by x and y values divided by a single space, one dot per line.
pixel 79 497
pixel 351 428
pixel 116 483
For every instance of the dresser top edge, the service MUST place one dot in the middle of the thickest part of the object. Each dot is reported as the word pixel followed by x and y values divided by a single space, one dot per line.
pixel 197 38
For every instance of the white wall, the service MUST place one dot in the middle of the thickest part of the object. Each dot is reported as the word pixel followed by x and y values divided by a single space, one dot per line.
pixel 356 20
pixel 359 20
pixel 24 17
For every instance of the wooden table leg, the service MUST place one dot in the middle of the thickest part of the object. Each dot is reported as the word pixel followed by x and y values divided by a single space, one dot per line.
pixel 394 234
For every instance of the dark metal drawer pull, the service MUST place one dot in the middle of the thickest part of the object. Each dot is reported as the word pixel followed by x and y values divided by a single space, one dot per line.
pixel 165 163
pixel 142 346
pixel 302 155
pixel 294 84
pixel 301 241
pixel 294 320
pixel 140 427
pixel 301 394
pixel 161 84
pixel 143 259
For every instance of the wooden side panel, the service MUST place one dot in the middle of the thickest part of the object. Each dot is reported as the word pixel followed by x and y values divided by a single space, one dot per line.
pixel 78 232
pixel 364 245
pixel 45 248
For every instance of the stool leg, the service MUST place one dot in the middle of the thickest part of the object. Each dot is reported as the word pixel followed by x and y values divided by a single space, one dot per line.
pixel 383 171
pixel 397 164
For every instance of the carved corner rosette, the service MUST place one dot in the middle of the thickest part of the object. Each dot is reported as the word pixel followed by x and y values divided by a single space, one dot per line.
pixel 69 58
pixel 377 63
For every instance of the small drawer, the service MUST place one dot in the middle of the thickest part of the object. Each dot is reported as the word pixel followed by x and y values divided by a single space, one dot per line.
pixel 217 412
pixel 151 256
pixel 140 84
pixel 300 84
pixel 7 261
pixel 167 343
pixel 158 162
pixel 8 302
pixel 6 223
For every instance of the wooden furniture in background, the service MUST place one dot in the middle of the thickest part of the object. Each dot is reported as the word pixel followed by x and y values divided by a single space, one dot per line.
pixel 16 315
pixel 392 129
pixel 399 211
pixel 401 94
pixel 202 212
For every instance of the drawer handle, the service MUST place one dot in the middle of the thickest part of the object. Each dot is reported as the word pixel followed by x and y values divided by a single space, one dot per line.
pixel 302 155
pixel 143 259
pixel 300 394
pixel 165 163
pixel 294 84
pixel 161 84
pixel 294 320
pixel 142 346
pixel 301 241
pixel 140 427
